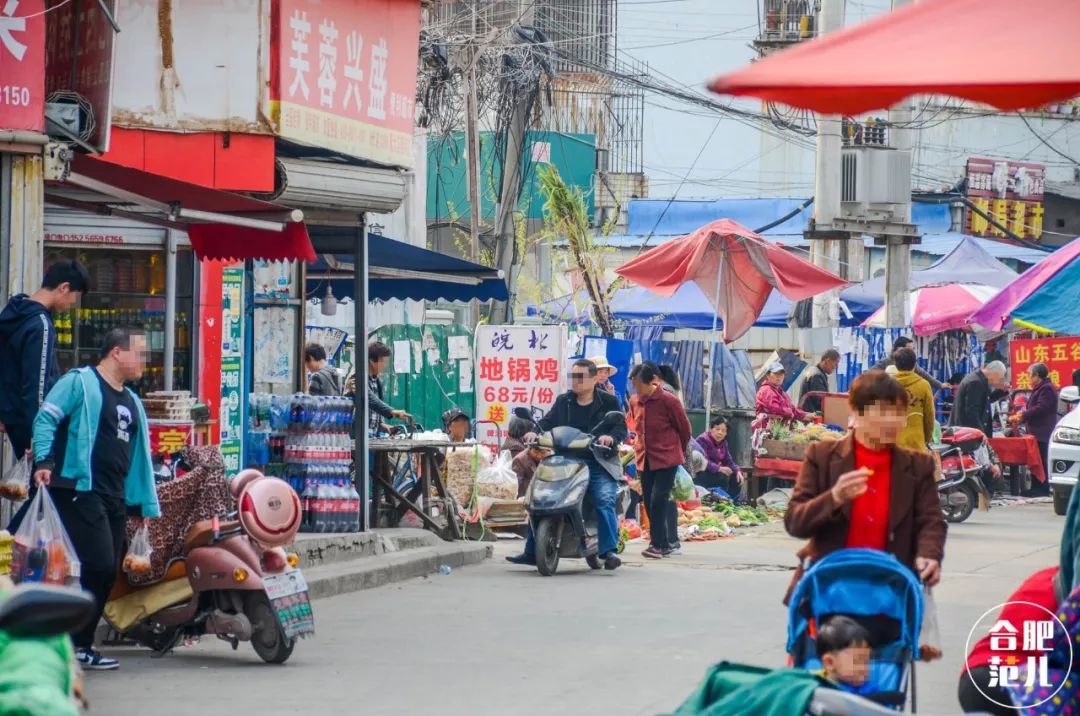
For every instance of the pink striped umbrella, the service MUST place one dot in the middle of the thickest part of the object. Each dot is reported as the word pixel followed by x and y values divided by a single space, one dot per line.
pixel 933 309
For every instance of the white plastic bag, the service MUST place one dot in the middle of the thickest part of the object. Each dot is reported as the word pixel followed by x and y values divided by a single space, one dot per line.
pixel 499 481
pixel 137 559
pixel 15 485
pixel 929 634
pixel 42 551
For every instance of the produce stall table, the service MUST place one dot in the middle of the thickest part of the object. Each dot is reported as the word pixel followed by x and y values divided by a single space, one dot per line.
pixel 776 467
pixel 428 452
pixel 1018 452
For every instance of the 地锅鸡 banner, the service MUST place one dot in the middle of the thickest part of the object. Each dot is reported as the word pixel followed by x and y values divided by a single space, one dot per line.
pixel 516 367
pixel 1061 356
pixel 343 75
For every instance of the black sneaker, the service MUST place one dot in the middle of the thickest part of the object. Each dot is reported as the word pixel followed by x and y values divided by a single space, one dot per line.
pixel 612 561
pixel 91 660
pixel 522 559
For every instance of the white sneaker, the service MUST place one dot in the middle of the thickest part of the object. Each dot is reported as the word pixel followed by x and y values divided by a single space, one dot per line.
pixel 95 661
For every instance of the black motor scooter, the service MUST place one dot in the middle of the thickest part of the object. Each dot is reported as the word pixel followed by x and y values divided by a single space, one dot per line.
pixel 563 517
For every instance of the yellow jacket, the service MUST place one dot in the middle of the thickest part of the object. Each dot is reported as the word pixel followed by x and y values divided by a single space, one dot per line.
pixel 920 419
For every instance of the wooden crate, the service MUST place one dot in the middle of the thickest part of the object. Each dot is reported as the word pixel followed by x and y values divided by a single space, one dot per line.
pixel 784 450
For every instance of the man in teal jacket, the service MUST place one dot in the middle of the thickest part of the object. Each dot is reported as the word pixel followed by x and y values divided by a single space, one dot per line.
pixel 91 446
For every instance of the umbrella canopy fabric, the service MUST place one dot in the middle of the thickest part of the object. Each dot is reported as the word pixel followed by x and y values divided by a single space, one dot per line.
pixel 1053 306
pixel 998 311
pixel 734 267
pixel 933 309
pixel 967 263
pixel 1003 53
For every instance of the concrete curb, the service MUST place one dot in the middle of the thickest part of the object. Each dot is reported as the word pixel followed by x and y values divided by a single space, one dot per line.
pixel 343 577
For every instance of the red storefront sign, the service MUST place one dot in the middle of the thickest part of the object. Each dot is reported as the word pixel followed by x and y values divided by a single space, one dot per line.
pixel 22 65
pixel 79 58
pixel 1061 356
pixel 167 438
pixel 343 75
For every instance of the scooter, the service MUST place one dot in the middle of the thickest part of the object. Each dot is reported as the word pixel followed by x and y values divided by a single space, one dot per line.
pixel 563 517
pixel 965 467
pixel 240 583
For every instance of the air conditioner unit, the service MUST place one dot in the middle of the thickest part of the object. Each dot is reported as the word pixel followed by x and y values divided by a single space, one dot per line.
pixel 874 181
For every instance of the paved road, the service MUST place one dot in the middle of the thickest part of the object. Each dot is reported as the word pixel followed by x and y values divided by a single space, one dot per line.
pixel 498 639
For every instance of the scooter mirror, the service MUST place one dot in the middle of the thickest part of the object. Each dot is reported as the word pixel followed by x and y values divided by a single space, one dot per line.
pixel 42 610
pixel 523 413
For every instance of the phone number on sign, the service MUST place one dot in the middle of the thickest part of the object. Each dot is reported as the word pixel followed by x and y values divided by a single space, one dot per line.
pixel 14 95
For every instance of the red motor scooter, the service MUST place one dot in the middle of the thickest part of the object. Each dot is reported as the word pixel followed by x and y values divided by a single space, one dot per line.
pixel 234 579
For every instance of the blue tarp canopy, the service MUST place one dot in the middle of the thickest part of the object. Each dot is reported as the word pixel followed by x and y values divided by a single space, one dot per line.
pixel 400 270
pixel 967 262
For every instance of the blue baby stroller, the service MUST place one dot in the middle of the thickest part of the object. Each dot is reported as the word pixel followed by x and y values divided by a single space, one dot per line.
pixel 878 592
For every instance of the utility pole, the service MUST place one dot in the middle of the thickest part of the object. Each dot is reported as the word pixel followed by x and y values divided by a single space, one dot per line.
pixel 472 153
pixel 897 249
pixel 506 236
pixel 825 252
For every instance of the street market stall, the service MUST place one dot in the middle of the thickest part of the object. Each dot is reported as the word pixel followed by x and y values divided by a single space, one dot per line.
pixel 780 454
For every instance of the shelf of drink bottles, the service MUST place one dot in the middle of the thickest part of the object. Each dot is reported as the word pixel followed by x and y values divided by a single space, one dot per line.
pixel 318 462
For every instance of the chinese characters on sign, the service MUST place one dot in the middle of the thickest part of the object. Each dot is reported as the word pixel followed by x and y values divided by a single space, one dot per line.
pixel 1010 192
pixel 347 75
pixel 22 65
pixel 1061 356
pixel 79 58
pixel 168 438
pixel 231 413
pixel 1031 657
pixel 517 367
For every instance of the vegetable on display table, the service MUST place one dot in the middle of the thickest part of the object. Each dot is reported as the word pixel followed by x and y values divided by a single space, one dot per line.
pixel 783 449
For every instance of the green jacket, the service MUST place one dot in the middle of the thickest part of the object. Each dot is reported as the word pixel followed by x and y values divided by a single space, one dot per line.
pixel 36 676
pixel 77 399
pixel 737 690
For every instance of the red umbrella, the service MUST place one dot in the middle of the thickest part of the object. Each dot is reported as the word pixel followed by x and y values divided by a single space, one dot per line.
pixel 732 265
pixel 1006 53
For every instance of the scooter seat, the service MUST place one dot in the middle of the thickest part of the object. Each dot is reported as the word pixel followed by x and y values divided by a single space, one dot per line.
pixel 201 533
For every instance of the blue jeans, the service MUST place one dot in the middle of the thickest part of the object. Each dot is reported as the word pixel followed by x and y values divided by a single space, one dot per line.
pixel 603 490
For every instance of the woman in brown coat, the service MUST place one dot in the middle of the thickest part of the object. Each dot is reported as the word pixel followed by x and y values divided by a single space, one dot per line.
pixel 865 491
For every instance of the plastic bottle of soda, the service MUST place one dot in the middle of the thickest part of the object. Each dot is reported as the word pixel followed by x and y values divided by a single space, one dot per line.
pixel 354 507
pixel 56 570
pixel 37 562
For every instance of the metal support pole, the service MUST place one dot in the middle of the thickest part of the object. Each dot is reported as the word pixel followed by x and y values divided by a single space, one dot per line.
pixel 360 369
pixel 826 252
pixel 472 155
pixel 170 306
pixel 898 254
pixel 712 344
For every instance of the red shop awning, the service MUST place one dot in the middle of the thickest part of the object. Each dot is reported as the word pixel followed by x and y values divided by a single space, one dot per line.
pixel 220 224
pixel 1009 54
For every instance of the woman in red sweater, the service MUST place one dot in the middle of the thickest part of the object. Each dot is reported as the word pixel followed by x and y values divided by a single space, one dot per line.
pixel 663 431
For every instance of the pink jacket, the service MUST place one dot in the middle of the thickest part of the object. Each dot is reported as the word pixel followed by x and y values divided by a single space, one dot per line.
pixel 774 401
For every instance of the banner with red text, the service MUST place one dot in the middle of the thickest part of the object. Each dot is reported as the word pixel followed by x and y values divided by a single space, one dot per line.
pixel 1061 356
pixel 343 75
pixel 517 366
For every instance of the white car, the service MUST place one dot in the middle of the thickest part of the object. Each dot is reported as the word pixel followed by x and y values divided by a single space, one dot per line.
pixel 1064 454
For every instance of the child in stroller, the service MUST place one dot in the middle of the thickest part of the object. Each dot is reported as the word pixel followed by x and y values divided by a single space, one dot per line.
pixel 882 597
pixel 843 646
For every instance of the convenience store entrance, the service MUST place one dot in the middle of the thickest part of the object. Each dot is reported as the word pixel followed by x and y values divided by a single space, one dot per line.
pixel 135 279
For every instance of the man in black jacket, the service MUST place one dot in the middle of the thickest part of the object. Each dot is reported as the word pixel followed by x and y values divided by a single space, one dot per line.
pixel 905 342
pixel 28 365
pixel 584 407
pixel 817 380
pixel 971 409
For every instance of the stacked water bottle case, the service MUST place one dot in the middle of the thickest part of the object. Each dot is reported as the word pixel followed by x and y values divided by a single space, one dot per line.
pixel 308 441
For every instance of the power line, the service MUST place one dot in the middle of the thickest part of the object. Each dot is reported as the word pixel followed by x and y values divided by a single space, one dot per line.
pixel 1049 146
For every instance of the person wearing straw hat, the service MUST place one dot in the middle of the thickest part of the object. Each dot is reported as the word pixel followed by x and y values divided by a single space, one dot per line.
pixel 604 371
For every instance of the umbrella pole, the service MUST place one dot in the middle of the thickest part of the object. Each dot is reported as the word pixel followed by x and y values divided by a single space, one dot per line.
pixel 712 344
